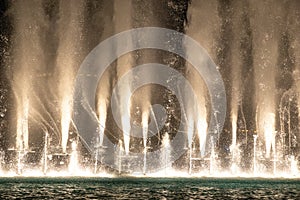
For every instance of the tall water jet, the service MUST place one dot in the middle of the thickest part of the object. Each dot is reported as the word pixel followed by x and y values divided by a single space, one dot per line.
pixel 294 29
pixel 202 133
pixel 234 129
pixel 27 59
pixel 195 110
pixel 254 154
pixel 69 49
pixel 235 81
pixel 120 149
pixel 145 117
pixel 65 122
pixel 125 120
pixel 102 110
pixel 190 135
pixel 233 147
pixel 265 43
pixel 22 135
pixel 212 159
pixel 166 153
pixel 123 21
pixel 274 159
pixel 190 130
pixel 45 153
pixel 236 68
pixel 205 36
pixel 22 126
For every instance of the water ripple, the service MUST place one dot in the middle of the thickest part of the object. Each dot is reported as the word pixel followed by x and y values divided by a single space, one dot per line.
pixel 148 188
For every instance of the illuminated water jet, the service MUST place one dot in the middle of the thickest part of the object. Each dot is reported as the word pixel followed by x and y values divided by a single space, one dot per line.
pixel 234 148
pixel 166 153
pixel 145 117
pixel 65 123
pixel 22 127
pixel 68 46
pixel 254 155
pixel 102 110
pixel 202 133
pixel 269 133
pixel 45 153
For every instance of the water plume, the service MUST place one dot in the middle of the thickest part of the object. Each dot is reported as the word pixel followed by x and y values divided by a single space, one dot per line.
pixel 145 117
pixel 294 29
pixel 234 130
pixel 205 35
pixel 190 130
pixel 70 27
pixel 22 126
pixel 166 153
pixel 28 58
pixel 269 132
pixel 102 110
pixel 236 67
pixel 123 21
pixel 202 132
pixel 265 42
pixel 125 120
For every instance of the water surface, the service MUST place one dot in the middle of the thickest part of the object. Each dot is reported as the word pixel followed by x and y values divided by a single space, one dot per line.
pixel 148 188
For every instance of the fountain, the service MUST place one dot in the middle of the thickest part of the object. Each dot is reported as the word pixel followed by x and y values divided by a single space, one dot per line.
pixel 49 42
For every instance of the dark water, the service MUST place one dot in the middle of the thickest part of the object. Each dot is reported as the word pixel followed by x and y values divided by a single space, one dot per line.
pixel 148 188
